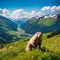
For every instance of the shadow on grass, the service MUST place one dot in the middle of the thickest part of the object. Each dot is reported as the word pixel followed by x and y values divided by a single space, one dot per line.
pixel 43 49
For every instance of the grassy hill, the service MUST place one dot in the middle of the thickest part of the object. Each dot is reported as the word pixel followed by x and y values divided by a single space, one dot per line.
pixel 16 50
pixel 44 25
pixel 7 24
pixel 8 30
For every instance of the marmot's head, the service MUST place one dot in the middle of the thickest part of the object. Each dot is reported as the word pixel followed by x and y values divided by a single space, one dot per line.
pixel 39 34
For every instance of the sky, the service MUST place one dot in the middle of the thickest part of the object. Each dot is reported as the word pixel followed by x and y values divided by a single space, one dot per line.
pixel 27 4
pixel 16 9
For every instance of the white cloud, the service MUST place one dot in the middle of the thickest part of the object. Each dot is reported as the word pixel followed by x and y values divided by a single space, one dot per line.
pixel 46 8
pixel 16 14
pixel 58 8
pixel 6 13
pixel 50 9
pixel 31 14
pixel 39 14
pixel 21 13
pixel 54 8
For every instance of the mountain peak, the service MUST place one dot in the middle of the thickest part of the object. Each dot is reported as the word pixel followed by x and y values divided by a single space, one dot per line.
pixel 42 24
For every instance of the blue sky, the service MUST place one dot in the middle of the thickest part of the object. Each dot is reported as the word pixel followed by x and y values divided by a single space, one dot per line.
pixel 16 9
pixel 27 4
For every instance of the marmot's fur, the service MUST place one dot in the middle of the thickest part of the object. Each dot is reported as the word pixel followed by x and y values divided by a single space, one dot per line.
pixel 35 41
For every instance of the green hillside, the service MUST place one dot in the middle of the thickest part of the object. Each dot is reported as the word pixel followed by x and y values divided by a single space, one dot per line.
pixel 8 30
pixel 42 24
pixel 50 50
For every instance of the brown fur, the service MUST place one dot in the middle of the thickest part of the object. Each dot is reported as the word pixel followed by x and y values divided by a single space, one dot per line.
pixel 35 41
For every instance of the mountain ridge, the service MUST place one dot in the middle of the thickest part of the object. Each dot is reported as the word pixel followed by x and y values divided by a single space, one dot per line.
pixel 8 29
pixel 42 24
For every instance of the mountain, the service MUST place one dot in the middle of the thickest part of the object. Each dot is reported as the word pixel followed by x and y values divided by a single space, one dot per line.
pixel 20 21
pixel 7 24
pixel 44 24
pixel 8 29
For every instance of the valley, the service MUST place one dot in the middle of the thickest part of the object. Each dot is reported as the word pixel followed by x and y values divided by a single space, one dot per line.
pixel 13 39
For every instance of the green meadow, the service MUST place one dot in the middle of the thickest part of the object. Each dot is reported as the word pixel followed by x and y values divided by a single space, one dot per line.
pixel 50 50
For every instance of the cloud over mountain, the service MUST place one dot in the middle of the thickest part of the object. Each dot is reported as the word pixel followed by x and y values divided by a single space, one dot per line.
pixel 55 9
pixel 21 13
pixel 5 12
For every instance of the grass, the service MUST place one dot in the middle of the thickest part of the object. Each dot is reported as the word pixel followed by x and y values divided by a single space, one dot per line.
pixel 16 50
pixel 48 22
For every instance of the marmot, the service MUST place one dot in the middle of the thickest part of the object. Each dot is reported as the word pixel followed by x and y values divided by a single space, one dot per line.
pixel 35 41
